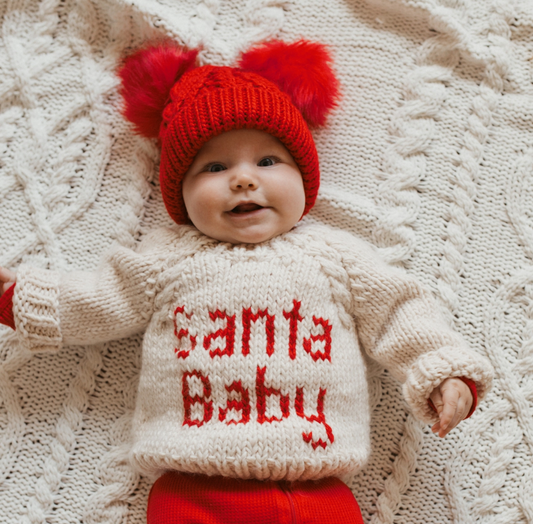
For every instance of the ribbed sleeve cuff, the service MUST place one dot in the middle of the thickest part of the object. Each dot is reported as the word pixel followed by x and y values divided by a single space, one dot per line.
pixel 6 308
pixel 434 367
pixel 36 309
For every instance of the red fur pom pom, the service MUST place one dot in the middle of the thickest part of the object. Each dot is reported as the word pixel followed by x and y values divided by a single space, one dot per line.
pixel 147 78
pixel 302 70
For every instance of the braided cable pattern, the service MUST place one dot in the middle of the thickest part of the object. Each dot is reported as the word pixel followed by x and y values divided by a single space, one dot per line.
pixel 68 426
pixel 30 161
pixel 397 483
pixel 67 185
pixel 119 489
pixel 262 21
pixel 412 129
pixel 464 229
pixel 506 435
pixel 463 182
pixel 117 481
pixel 13 357
pixel 511 415
pixel 80 36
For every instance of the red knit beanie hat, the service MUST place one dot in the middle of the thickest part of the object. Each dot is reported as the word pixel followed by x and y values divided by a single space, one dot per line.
pixel 278 88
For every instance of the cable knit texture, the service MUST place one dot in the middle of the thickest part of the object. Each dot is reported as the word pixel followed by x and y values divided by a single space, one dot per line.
pixel 429 156
pixel 251 366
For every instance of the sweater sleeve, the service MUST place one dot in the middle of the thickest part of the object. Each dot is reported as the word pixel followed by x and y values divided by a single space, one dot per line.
pixel 6 308
pixel 116 300
pixel 399 325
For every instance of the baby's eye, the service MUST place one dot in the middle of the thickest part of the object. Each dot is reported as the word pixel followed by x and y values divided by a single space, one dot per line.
pixel 215 168
pixel 267 161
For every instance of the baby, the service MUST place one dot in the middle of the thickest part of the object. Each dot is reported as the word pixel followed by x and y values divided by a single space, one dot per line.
pixel 253 392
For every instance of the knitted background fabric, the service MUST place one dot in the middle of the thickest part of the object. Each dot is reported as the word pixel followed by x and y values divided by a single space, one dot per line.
pixel 429 156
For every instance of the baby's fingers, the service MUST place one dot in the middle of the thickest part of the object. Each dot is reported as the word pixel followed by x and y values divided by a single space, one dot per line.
pixel 453 411
pixel 438 404
pixel 7 278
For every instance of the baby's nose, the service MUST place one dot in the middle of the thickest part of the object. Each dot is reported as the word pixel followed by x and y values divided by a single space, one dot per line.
pixel 244 180
pixel 249 185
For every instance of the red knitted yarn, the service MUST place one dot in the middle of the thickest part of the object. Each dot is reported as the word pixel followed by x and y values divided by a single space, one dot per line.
pixel 210 100
pixel 6 308
pixel 180 498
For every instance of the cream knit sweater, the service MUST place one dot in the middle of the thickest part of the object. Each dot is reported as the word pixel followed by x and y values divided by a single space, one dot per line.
pixel 252 361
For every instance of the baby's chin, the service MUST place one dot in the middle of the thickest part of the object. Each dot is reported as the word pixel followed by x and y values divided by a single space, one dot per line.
pixel 250 235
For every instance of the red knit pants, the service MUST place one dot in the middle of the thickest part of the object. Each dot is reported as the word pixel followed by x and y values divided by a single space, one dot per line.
pixel 179 498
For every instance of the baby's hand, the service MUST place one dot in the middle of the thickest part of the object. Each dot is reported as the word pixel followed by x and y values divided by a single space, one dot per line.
pixel 452 400
pixel 7 279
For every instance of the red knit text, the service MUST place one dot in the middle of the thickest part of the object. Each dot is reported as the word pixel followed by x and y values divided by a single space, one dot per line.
pixel 189 401
pixel 317 345
pixel 227 333
pixel 242 405
pixel 262 392
pixel 238 401
pixel 293 317
pixel 247 318
pixel 319 417
pixel 182 333
pixel 324 337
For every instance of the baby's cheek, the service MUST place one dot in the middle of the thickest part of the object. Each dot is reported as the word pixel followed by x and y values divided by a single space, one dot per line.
pixel 295 204
pixel 199 197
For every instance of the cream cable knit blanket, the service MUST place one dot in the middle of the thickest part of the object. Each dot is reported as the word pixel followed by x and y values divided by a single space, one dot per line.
pixel 429 157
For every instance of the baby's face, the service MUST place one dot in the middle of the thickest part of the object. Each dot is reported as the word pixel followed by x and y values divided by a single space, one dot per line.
pixel 244 187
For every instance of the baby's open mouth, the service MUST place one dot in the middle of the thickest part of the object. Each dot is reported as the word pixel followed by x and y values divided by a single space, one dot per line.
pixel 246 208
